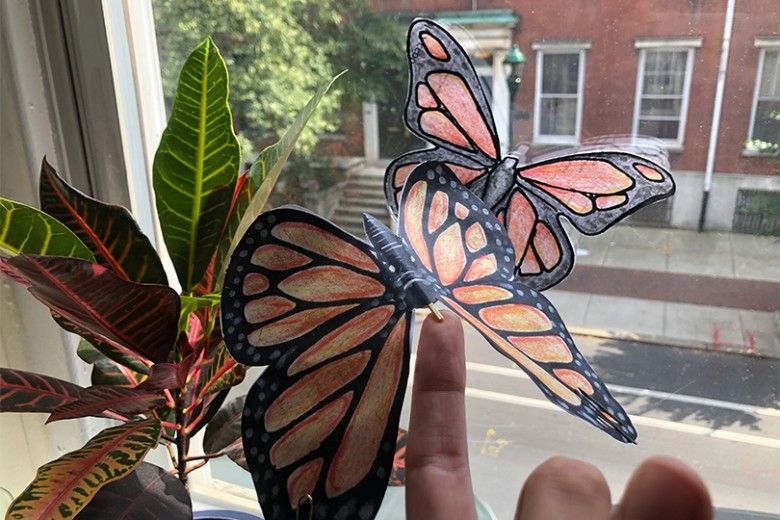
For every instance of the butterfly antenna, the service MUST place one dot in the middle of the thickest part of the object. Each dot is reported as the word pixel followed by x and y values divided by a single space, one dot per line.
pixel 436 313
pixel 606 417
pixel 307 499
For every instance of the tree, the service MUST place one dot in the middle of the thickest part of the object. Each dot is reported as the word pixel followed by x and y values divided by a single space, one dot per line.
pixel 278 51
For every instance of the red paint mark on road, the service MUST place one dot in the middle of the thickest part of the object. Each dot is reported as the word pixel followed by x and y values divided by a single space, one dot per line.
pixel 751 343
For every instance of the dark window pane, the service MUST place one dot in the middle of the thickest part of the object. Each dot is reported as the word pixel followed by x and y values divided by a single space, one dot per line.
pixel 558 116
pixel 661 107
pixel 660 129
pixel 766 127
pixel 665 72
pixel 560 73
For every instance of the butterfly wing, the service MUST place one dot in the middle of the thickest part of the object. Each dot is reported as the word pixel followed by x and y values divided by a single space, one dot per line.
pixel 543 252
pixel 467 171
pixel 455 236
pixel 329 432
pixel 595 190
pixel 445 104
pixel 309 299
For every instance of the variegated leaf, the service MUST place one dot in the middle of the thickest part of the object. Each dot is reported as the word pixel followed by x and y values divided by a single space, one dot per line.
pixel 29 392
pixel 109 231
pixel 220 371
pixel 105 371
pixel 147 493
pixel 196 165
pixel 63 487
pixel 24 229
pixel 137 319
pixel 95 400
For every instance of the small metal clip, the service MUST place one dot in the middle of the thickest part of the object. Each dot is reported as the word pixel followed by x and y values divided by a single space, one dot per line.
pixel 308 500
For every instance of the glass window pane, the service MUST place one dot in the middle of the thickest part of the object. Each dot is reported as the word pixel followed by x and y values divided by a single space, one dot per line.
pixel 560 73
pixel 661 107
pixel 665 72
pixel 659 129
pixel 558 116
pixel 766 127
pixel 770 75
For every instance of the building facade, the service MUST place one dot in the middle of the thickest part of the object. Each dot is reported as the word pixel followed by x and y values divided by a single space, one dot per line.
pixel 628 67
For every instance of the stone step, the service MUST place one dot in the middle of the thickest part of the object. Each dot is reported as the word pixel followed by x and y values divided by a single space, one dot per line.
pixel 374 204
pixel 359 191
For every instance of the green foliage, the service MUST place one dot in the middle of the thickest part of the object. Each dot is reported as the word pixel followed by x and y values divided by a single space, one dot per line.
pixel 771 148
pixel 196 165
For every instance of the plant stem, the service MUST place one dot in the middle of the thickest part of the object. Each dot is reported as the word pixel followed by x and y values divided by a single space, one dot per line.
pixel 181 439
pixel 207 456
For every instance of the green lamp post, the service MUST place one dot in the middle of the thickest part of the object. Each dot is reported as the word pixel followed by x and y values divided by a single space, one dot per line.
pixel 513 63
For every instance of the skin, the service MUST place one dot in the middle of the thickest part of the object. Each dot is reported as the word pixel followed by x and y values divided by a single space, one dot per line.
pixel 438 482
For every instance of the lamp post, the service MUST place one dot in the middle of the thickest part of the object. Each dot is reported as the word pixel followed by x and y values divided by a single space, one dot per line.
pixel 513 63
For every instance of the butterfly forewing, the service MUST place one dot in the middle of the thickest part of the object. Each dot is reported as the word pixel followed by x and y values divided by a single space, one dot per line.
pixel 595 190
pixel 451 232
pixel 446 104
pixel 292 279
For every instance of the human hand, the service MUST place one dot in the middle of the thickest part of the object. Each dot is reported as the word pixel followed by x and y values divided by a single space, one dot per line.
pixel 438 482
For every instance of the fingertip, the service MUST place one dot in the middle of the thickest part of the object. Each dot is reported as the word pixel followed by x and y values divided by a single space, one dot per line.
pixel 441 358
pixel 664 487
pixel 562 487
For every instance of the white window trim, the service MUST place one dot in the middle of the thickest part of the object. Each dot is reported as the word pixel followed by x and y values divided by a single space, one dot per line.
pixel 764 44
pixel 553 48
pixel 671 144
pixel 676 43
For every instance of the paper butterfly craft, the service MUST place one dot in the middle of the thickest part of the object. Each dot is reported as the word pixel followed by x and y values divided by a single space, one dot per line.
pixel 332 317
pixel 447 107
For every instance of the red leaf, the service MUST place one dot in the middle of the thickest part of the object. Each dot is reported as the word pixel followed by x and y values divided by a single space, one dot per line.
pixel 94 400
pixel 29 392
pixel 109 231
pixel 166 375
pixel 133 317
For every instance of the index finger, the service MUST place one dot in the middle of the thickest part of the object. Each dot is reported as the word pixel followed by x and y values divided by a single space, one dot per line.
pixel 438 483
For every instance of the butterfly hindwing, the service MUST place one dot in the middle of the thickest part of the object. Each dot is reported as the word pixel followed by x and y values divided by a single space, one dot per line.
pixel 543 252
pixel 595 190
pixel 329 431
pixel 446 105
pixel 472 256
pixel 466 170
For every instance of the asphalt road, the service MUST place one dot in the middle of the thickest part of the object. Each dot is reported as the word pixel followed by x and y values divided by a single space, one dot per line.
pixel 717 412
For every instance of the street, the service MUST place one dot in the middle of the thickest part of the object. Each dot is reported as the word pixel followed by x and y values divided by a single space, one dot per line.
pixel 717 412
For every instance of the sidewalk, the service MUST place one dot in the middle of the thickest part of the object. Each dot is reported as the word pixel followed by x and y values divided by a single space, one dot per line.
pixel 717 291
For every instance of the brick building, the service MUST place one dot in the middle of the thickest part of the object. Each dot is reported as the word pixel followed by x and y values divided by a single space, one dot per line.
pixel 637 67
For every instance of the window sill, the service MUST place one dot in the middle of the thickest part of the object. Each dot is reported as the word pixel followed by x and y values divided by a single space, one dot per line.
pixel 554 141
pixel 751 152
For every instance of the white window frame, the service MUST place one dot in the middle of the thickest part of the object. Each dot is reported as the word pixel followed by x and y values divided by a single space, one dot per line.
pixel 675 45
pixel 558 48
pixel 764 45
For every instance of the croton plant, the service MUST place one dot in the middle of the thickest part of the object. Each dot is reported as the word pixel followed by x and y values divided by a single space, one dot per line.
pixel 159 365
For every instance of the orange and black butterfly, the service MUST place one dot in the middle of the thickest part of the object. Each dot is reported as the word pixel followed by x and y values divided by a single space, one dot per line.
pixel 332 315
pixel 447 107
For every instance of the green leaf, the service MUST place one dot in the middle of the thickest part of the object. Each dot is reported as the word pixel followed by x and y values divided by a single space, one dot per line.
pixel 265 171
pixel 148 492
pixel 24 229
pixel 63 487
pixel 95 400
pixel 29 392
pixel 139 321
pixel 109 231
pixel 196 165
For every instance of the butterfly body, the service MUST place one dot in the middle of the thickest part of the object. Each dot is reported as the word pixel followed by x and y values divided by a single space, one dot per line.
pixel 593 190
pixel 414 285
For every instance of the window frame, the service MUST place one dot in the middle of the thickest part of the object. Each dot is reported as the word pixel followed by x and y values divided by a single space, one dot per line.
pixel 763 45
pixel 558 48
pixel 677 45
